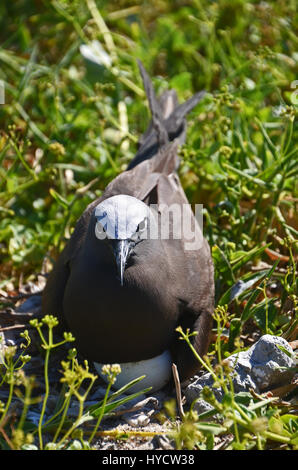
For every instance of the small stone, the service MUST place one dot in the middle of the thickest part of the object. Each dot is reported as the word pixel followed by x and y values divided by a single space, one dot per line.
pixel 137 420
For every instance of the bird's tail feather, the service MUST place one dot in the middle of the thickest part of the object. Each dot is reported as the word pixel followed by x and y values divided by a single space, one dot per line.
pixel 168 120
pixel 155 108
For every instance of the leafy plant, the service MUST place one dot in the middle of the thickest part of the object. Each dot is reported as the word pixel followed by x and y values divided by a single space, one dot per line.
pixel 77 382
pixel 247 419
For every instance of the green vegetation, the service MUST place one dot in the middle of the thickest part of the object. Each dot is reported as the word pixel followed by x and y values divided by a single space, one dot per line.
pixel 70 125
pixel 77 381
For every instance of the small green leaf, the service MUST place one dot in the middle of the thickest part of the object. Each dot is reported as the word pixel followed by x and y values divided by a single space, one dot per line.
pixel 284 350
pixel 211 427
pixel 60 199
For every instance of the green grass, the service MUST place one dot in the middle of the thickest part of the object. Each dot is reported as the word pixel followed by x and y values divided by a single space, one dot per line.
pixel 68 127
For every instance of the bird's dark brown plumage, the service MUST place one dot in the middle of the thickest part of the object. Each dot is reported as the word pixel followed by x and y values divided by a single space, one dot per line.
pixel 164 284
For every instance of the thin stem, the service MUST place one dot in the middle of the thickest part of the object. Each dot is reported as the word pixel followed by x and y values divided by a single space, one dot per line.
pixel 75 424
pixel 276 437
pixel 289 137
pixel 203 363
pixel 236 432
pixel 11 384
pixel 41 336
pixel 27 396
pixel 259 442
pixel 66 406
pixel 25 164
pixel 241 412
pixel 101 412
pixel 44 404
pixel 81 399
pixel 104 30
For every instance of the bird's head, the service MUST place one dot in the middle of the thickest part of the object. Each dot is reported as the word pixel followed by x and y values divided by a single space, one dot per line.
pixel 122 222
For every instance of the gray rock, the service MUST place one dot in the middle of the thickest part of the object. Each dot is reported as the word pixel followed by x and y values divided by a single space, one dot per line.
pixel 264 364
pixel 261 367
pixel 193 392
pixel 201 406
pixel 137 420
pixel 31 305
pixel 142 411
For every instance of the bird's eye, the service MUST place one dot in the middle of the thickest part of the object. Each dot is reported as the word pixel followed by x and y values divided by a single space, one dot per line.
pixel 140 231
pixel 142 225
pixel 137 236
pixel 100 231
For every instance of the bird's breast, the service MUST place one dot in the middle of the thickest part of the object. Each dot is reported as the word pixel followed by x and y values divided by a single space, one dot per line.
pixel 115 323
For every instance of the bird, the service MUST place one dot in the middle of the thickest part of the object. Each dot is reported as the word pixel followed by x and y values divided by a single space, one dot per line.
pixel 120 287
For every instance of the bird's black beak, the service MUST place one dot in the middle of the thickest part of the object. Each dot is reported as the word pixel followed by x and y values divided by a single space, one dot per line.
pixel 121 250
